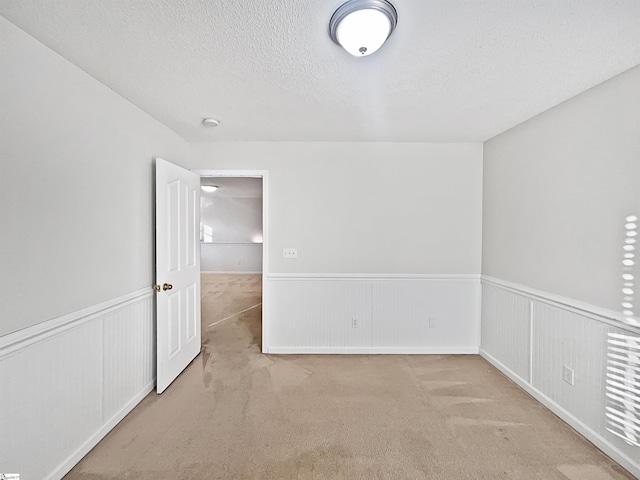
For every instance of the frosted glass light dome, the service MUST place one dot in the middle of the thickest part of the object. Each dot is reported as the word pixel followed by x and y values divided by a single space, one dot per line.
pixel 362 26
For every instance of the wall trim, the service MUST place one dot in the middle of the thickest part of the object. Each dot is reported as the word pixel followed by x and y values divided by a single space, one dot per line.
pixel 26 337
pixel 224 244
pixel 566 416
pixel 374 350
pixel 374 276
pixel 230 272
pixel 66 466
pixel 602 315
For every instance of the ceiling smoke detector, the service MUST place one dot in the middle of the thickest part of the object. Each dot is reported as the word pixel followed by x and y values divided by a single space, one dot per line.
pixel 210 122
pixel 362 26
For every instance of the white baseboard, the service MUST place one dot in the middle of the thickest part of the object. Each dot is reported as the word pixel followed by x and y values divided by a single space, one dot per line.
pixel 587 432
pixel 66 466
pixel 374 350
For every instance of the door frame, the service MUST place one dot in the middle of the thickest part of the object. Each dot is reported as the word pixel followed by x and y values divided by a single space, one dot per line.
pixel 264 174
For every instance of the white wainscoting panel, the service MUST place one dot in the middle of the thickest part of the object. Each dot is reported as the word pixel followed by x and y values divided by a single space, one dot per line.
pixel 311 314
pixel 129 355
pixel 373 313
pixel 66 382
pixel 561 333
pixel 505 328
pixel 632 406
pixel 48 400
pixel 426 314
pixel 565 338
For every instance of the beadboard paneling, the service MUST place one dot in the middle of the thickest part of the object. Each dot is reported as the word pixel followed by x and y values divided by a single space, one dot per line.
pixel 48 400
pixel 631 408
pixel 129 355
pixel 308 314
pixel 425 314
pixel 505 328
pixel 373 314
pixel 564 338
pixel 562 333
pixel 65 387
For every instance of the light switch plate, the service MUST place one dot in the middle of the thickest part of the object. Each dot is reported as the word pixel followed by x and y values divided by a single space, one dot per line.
pixel 289 253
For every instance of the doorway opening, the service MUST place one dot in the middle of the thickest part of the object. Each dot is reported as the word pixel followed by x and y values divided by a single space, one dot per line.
pixel 233 260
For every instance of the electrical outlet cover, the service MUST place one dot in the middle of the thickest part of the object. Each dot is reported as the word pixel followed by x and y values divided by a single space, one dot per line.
pixel 568 375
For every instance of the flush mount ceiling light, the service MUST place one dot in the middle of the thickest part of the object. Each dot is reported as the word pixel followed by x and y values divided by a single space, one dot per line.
pixel 209 188
pixel 362 26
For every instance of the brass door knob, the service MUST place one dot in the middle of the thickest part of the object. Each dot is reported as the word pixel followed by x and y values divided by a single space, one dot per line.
pixel 167 286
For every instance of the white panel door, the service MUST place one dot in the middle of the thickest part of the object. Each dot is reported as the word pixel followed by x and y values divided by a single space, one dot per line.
pixel 177 270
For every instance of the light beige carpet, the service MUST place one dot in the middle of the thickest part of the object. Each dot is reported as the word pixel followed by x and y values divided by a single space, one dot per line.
pixel 238 414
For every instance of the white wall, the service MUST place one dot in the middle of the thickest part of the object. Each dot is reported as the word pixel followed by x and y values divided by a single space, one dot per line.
pixel 365 207
pixel 231 226
pixel 76 256
pixel 76 182
pixel 231 219
pixel 231 258
pixel 388 234
pixel 557 189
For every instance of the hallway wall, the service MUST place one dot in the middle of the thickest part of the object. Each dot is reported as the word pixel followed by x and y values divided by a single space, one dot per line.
pixel 231 227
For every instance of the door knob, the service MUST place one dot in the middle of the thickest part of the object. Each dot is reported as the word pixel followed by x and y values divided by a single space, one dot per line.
pixel 167 286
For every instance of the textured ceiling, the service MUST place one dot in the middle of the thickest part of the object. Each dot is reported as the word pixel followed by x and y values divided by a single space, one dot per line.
pixel 454 70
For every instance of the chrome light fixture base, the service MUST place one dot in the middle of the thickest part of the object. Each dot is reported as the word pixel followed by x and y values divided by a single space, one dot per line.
pixel 357 43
